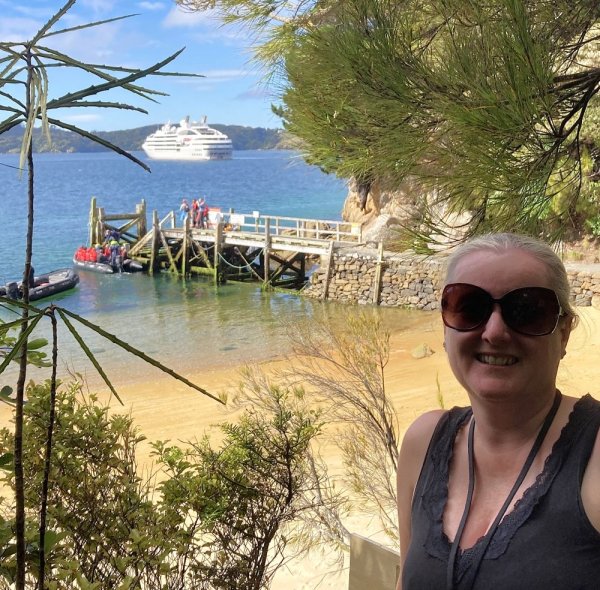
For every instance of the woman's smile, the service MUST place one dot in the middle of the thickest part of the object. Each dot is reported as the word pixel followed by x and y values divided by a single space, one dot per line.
pixel 498 360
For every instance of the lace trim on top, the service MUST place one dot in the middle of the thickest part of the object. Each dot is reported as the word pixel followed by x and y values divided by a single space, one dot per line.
pixel 435 494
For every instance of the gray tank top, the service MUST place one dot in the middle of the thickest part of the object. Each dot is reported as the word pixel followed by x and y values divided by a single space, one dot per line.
pixel 545 542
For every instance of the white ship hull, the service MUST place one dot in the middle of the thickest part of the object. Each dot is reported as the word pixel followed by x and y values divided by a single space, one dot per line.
pixel 189 141
pixel 184 154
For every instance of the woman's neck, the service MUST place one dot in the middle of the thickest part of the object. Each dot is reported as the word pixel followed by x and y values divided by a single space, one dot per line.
pixel 511 424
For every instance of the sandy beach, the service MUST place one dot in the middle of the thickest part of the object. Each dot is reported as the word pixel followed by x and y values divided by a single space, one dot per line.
pixel 167 409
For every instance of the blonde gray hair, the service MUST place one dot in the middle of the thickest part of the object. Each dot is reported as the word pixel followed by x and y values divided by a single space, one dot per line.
pixel 501 242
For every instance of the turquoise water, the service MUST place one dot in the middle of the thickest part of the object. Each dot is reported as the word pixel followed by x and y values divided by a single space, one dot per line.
pixel 272 182
pixel 188 324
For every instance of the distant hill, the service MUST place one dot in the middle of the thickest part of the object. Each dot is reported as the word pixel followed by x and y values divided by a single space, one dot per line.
pixel 243 138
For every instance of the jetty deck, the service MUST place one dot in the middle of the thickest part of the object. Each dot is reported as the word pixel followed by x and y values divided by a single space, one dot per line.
pixel 232 246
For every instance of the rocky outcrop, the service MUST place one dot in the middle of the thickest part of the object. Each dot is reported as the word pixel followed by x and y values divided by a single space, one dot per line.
pixel 384 209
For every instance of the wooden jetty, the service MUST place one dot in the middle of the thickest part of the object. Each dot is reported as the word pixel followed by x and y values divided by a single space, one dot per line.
pixel 233 246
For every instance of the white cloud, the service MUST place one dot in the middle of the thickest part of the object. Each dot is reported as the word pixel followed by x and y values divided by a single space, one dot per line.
pixel 31 11
pixel 18 29
pixel 184 18
pixel 225 74
pixel 150 6
pixel 99 6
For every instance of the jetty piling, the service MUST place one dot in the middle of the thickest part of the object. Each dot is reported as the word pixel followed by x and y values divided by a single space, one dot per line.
pixel 100 221
pixel 238 246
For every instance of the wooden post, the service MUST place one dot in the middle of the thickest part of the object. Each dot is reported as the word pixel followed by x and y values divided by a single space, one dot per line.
pixel 167 248
pixel 378 269
pixel 155 239
pixel 92 222
pixel 140 210
pixel 217 254
pixel 302 275
pixel 328 272
pixel 100 223
pixel 185 259
pixel 267 255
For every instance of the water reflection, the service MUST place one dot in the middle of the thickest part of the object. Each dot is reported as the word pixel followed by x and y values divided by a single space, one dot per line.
pixel 190 325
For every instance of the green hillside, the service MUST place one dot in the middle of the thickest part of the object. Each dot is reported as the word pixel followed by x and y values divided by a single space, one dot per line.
pixel 243 138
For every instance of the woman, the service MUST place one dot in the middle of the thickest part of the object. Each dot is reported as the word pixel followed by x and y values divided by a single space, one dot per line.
pixel 504 494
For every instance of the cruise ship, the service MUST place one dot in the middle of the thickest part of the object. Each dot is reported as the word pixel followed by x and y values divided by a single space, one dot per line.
pixel 191 140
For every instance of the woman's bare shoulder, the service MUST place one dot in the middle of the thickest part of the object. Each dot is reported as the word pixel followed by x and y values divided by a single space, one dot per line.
pixel 421 430
pixel 415 443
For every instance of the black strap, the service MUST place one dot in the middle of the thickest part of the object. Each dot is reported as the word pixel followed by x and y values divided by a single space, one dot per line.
pixel 494 526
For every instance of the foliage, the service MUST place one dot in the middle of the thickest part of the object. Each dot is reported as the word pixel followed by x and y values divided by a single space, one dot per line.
pixel 248 496
pixel 480 103
pixel 96 500
pixel 483 104
pixel 35 356
pixel 345 371
pixel 219 518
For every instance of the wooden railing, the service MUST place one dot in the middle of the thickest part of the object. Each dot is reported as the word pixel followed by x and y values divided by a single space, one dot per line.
pixel 143 243
pixel 320 229
pixel 313 236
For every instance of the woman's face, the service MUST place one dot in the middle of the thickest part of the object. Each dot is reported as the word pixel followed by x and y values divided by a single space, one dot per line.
pixel 493 362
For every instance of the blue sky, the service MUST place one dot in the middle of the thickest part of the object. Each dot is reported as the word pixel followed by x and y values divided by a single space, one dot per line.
pixel 232 91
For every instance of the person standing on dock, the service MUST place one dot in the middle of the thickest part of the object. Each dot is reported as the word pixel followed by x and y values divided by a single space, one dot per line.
pixel 202 213
pixel 184 210
pixel 195 212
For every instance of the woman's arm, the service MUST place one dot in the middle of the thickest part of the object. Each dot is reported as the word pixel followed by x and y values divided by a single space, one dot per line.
pixel 410 460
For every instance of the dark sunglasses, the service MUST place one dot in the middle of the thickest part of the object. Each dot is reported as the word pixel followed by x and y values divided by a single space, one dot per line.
pixel 533 311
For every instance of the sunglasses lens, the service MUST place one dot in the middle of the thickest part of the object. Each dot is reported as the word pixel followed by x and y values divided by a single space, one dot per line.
pixel 533 311
pixel 465 307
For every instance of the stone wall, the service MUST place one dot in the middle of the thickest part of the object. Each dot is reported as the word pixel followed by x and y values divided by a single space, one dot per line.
pixel 412 280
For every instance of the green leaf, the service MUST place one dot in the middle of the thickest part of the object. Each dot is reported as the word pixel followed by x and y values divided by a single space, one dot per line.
pixel 51 539
pixel 5 395
pixel 88 25
pixel 8 551
pixel 22 339
pixel 49 24
pixel 16 303
pixel 114 83
pixel 7 461
pixel 88 353
pixel 101 141
pixel 37 343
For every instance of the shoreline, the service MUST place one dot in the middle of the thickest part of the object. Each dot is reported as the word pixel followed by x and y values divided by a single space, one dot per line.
pixel 410 382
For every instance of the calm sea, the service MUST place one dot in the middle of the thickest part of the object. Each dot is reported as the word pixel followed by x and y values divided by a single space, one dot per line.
pixel 186 324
